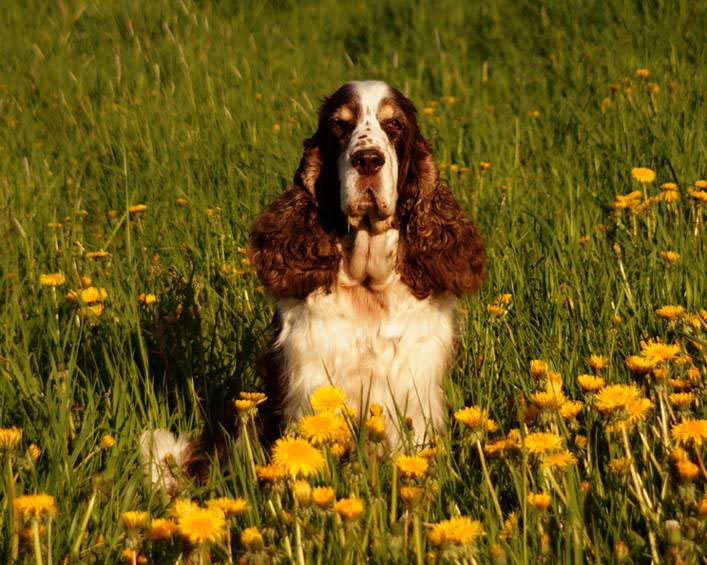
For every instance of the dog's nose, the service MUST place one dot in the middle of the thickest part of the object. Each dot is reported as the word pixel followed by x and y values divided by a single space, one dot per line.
pixel 368 161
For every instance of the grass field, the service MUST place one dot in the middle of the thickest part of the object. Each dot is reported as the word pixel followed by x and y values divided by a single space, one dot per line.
pixel 197 111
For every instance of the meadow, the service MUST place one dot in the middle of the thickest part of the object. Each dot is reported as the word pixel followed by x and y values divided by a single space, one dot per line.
pixel 138 140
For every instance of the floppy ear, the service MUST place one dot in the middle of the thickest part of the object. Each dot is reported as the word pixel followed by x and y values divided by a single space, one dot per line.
pixel 290 248
pixel 442 250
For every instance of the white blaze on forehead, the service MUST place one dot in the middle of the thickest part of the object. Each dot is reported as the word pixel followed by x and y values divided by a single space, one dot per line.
pixel 370 93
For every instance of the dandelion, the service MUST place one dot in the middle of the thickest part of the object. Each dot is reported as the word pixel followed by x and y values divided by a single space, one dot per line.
pixel 495 310
pixel 690 431
pixel 323 497
pixel 497 446
pixel 630 200
pixel 659 352
pixel 616 397
pixel 471 416
pixel 257 397
pixel 701 184
pixel 182 506
pixel 161 529
pixel 700 195
pixel 251 538
pixel 642 73
pixel 201 525
pixel 52 279
pixel 328 398
pixel 302 492
pixel 559 461
pixel 269 473
pixel 669 256
pixel 228 506
pixel 597 362
pixel 349 508
pixel 670 312
pixel 640 365
pixel 412 466
pixel 134 519
pixel 539 443
pixel 643 174
pixel 457 531
pixel 148 299
pixel 535 114
pixel 509 526
pixel 687 470
pixel 322 428
pixel 107 441
pixel 137 208
pixel 33 451
pixel 10 438
pixel 682 399
pixel 297 457
pixel 410 494
pixel 591 383
pixel 539 500
pixel 133 556
pixel 619 465
pixel 570 409
pixel 484 165
pixel 375 427
pixel 181 201
pixel 548 399
pixel 243 405
pixel 34 505
pixel 538 368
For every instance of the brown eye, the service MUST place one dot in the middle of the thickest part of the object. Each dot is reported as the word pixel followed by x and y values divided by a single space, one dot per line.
pixel 393 126
pixel 340 124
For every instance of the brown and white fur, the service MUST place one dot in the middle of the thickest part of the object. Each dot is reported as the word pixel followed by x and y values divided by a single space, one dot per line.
pixel 366 255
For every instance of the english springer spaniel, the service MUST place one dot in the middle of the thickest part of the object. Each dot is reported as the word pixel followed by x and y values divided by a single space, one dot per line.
pixel 366 255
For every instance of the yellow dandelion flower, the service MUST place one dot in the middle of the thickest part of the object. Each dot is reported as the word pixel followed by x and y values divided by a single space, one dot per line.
pixel 702 509
pixel 658 351
pixel 548 399
pixel 535 114
pixel 538 368
pixel 591 383
pixel 302 492
pixel 161 529
pixel 182 506
pixel 539 500
pixel 509 526
pixel 243 405
pixel 597 362
pixel 679 384
pixel 668 196
pixel 497 446
pixel 297 457
pixel 669 256
pixel 580 441
pixel 449 100
pixel 257 397
pixel 338 450
pixel 428 110
pixel 700 195
pixel 52 279
pixel 134 519
pixel 642 73
pixel 34 505
pixel 643 174
pixel 637 410
pixel 133 556
pixel 101 254
pixel 630 200
pixel 328 398
pixel 54 225
pixel 619 465
pixel 228 506
pixel 147 299
pixel 668 186
pixel 323 496
pixel 640 365
pixel 471 416
pixel 375 427
pixel 10 438
pixel 693 374
pixel 558 461
pixel 269 473
pixel 490 426
pixel 137 208
pixel 484 165
pixel 496 310
pixel 202 525
pixel 33 451
pixel 678 454
pixel 410 494
pixel 412 465
pixel 682 399
pixel 539 443
pixel 670 312
pixel 89 295
pixel 504 298
pixel 570 409
pixel 701 183
pixel 251 538
pixel 107 441
pixel 690 431
pixel 687 470
pixel 349 508
pixel 616 397
pixel 181 201
pixel 322 428
pixel 457 531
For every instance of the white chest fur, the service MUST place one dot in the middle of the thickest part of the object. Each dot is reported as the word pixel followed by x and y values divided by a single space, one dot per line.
pixel 377 342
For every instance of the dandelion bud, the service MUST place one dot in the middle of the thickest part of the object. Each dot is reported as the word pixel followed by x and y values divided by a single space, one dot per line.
pixel 251 538
pixel 302 491
pixel 621 551
pixel 34 452
pixel 107 441
pixel 672 531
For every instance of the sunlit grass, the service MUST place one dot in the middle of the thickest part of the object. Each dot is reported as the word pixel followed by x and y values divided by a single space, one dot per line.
pixel 139 140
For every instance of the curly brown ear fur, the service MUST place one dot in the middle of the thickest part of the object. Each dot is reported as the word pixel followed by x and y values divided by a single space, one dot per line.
pixel 442 248
pixel 294 252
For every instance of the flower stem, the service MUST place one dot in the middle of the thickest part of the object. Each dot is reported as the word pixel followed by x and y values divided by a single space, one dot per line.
pixel 14 546
pixel 36 542
pixel 417 533
pixel 84 523
pixel 487 478
pixel 394 496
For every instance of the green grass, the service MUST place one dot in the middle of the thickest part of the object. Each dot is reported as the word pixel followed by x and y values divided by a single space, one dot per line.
pixel 105 105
